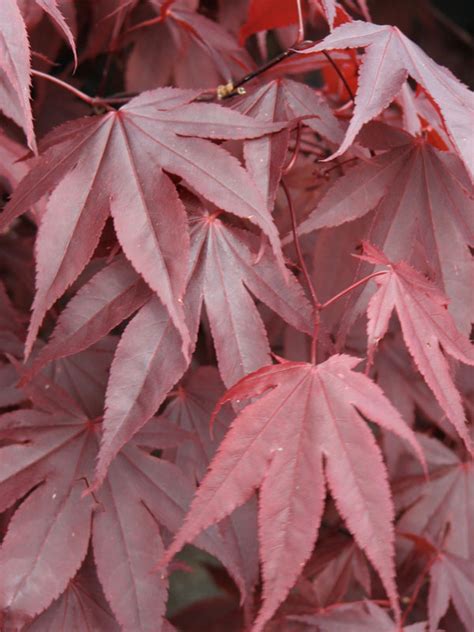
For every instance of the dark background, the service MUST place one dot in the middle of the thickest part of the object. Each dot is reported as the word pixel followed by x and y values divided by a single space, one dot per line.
pixel 443 28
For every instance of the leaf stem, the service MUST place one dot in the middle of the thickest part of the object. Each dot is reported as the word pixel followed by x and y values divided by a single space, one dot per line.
pixel 93 101
pixel 300 36
pixel 350 288
pixel 304 269
pixel 295 153
pixel 418 586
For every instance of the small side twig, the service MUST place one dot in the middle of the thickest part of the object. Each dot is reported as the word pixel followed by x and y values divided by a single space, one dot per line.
pixel 92 101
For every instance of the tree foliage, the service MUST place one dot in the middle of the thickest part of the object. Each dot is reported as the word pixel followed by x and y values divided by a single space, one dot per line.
pixel 236 299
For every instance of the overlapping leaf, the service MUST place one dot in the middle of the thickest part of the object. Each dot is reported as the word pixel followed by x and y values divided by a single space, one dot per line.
pixel 451 579
pixel 51 453
pixel 115 163
pixel 52 9
pixel 426 325
pixel 440 509
pixel 390 57
pixel 15 69
pixel 278 443
pixel 351 617
pixel 283 100
pixel 148 363
pixel 170 274
pixel 205 54
pixel 226 266
pixel 82 606
pixel 336 566
pixel 15 62
pixel 191 409
pixel 104 302
pixel 224 262
pixel 416 190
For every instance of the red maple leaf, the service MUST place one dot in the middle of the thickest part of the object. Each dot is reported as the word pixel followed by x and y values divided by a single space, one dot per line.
pixel 15 62
pixel 224 262
pixel 104 302
pixel 48 454
pixel 390 57
pixel 438 509
pixel 15 69
pixel 426 325
pixel 205 53
pixel 82 606
pixel 362 616
pixel 116 162
pixel 283 100
pixel 451 579
pixel 191 408
pixel 440 219
pixel 307 414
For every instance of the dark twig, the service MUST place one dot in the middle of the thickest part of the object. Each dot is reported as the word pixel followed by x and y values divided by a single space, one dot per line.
pixel 340 75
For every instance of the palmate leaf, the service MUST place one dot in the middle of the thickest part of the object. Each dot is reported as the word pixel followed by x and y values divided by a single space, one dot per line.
pixel 439 509
pixel 336 566
pixel 227 266
pixel 49 454
pixel 191 408
pixel 147 364
pixel 426 326
pixel 224 262
pixel 415 190
pixel 364 616
pixel 283 100
pixel 52 9
pixel 82 606
pixel 390 57
pixel 451 579
pixel 204 53
pixel 15 62
pixel 307 415
pixel 115 163
pixel 104 302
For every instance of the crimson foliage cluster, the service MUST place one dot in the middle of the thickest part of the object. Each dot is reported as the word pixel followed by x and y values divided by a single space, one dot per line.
pixel 235 305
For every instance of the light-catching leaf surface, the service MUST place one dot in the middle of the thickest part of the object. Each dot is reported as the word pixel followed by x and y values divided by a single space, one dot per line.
pixel 426 326
pixel 15 69
pixel 303 434
pixel 116 163
pixel 51 453
pixel 419 195
pixel 390 57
